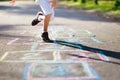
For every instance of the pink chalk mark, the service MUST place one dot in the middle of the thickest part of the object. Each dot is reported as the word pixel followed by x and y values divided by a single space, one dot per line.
pixel 100 56
pixel 12 41
pixel 84 55
pixel 64 78
pixel 30 68
pixel 57 78
pixel 59 56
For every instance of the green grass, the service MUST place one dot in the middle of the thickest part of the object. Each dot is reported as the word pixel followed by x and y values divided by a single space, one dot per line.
pixel 116 12
pixel 104 6
pixel 100 7
pixel 70 3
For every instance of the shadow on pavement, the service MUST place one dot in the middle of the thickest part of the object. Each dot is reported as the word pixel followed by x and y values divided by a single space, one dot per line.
pixel 13 36
pixel 3 7
pixel 83 47
pixel 10 26
pixel 6 27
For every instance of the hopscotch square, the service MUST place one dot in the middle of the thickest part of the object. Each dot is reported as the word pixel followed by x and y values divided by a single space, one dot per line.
pixel 18 47
pixel 27 56
pixel 69 34
pixel 80 55
pixel 57 70
pixel 60 31
pixel 82 33
pixel 19 37
pixel 21 41
pixel 25 40
pixel 84 40
pixel 60 71
pixel 79 36
pixel 51 55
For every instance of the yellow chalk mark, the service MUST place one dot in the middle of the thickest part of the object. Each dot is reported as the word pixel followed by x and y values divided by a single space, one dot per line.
pixel 3 57
pixel 55 56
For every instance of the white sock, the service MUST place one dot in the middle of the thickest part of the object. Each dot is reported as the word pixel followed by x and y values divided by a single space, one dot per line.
pixel 41 17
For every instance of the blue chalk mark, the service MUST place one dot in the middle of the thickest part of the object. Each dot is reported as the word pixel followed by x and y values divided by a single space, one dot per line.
pixel 25 72
pixel 34 46
pixel 95 73
pixel 104 56
pixel 86 69
pixel 59 71
pixel 90 71
pixel 96 40
pixel 93 38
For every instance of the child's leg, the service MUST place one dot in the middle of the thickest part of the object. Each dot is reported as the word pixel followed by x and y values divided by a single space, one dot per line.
pixel 47 10
pixel 46 22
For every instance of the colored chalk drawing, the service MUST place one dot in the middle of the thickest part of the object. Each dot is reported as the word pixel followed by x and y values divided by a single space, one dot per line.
pixel 55 62
pixel 60 71
pixel 51 55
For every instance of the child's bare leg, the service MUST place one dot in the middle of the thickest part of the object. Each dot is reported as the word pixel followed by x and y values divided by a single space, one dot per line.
pixel 45 35
pixel 48 17
pixel 46 22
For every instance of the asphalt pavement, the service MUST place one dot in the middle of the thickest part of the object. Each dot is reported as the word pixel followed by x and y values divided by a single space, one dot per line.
pixel 84 47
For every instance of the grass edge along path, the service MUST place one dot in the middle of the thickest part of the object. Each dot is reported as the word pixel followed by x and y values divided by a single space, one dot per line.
pixel 103 9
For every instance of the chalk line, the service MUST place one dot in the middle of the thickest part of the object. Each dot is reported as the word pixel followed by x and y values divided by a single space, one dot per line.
pixel 49 61
pixel 3 57
pixel 41 50
pixel 90 71
pixel 67 78
pixel 25 72
pixel 96 40
pixel 104 56
pixel 12 41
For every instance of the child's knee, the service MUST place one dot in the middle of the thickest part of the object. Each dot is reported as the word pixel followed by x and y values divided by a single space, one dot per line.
pixel 49 14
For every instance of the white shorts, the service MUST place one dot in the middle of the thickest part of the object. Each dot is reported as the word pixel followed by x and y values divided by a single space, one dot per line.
pixel 45 6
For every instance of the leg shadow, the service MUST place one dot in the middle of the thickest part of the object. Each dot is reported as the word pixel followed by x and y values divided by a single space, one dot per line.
pixel 91 49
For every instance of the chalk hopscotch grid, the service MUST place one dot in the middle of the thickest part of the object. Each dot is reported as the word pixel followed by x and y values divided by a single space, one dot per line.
pixel 70 37
pixel 35 44
pixel 4 56
pixel 87 69
pixel 71 34
pixel 55 60
pixel 73 37
pixel 14 41
pixel 31 56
